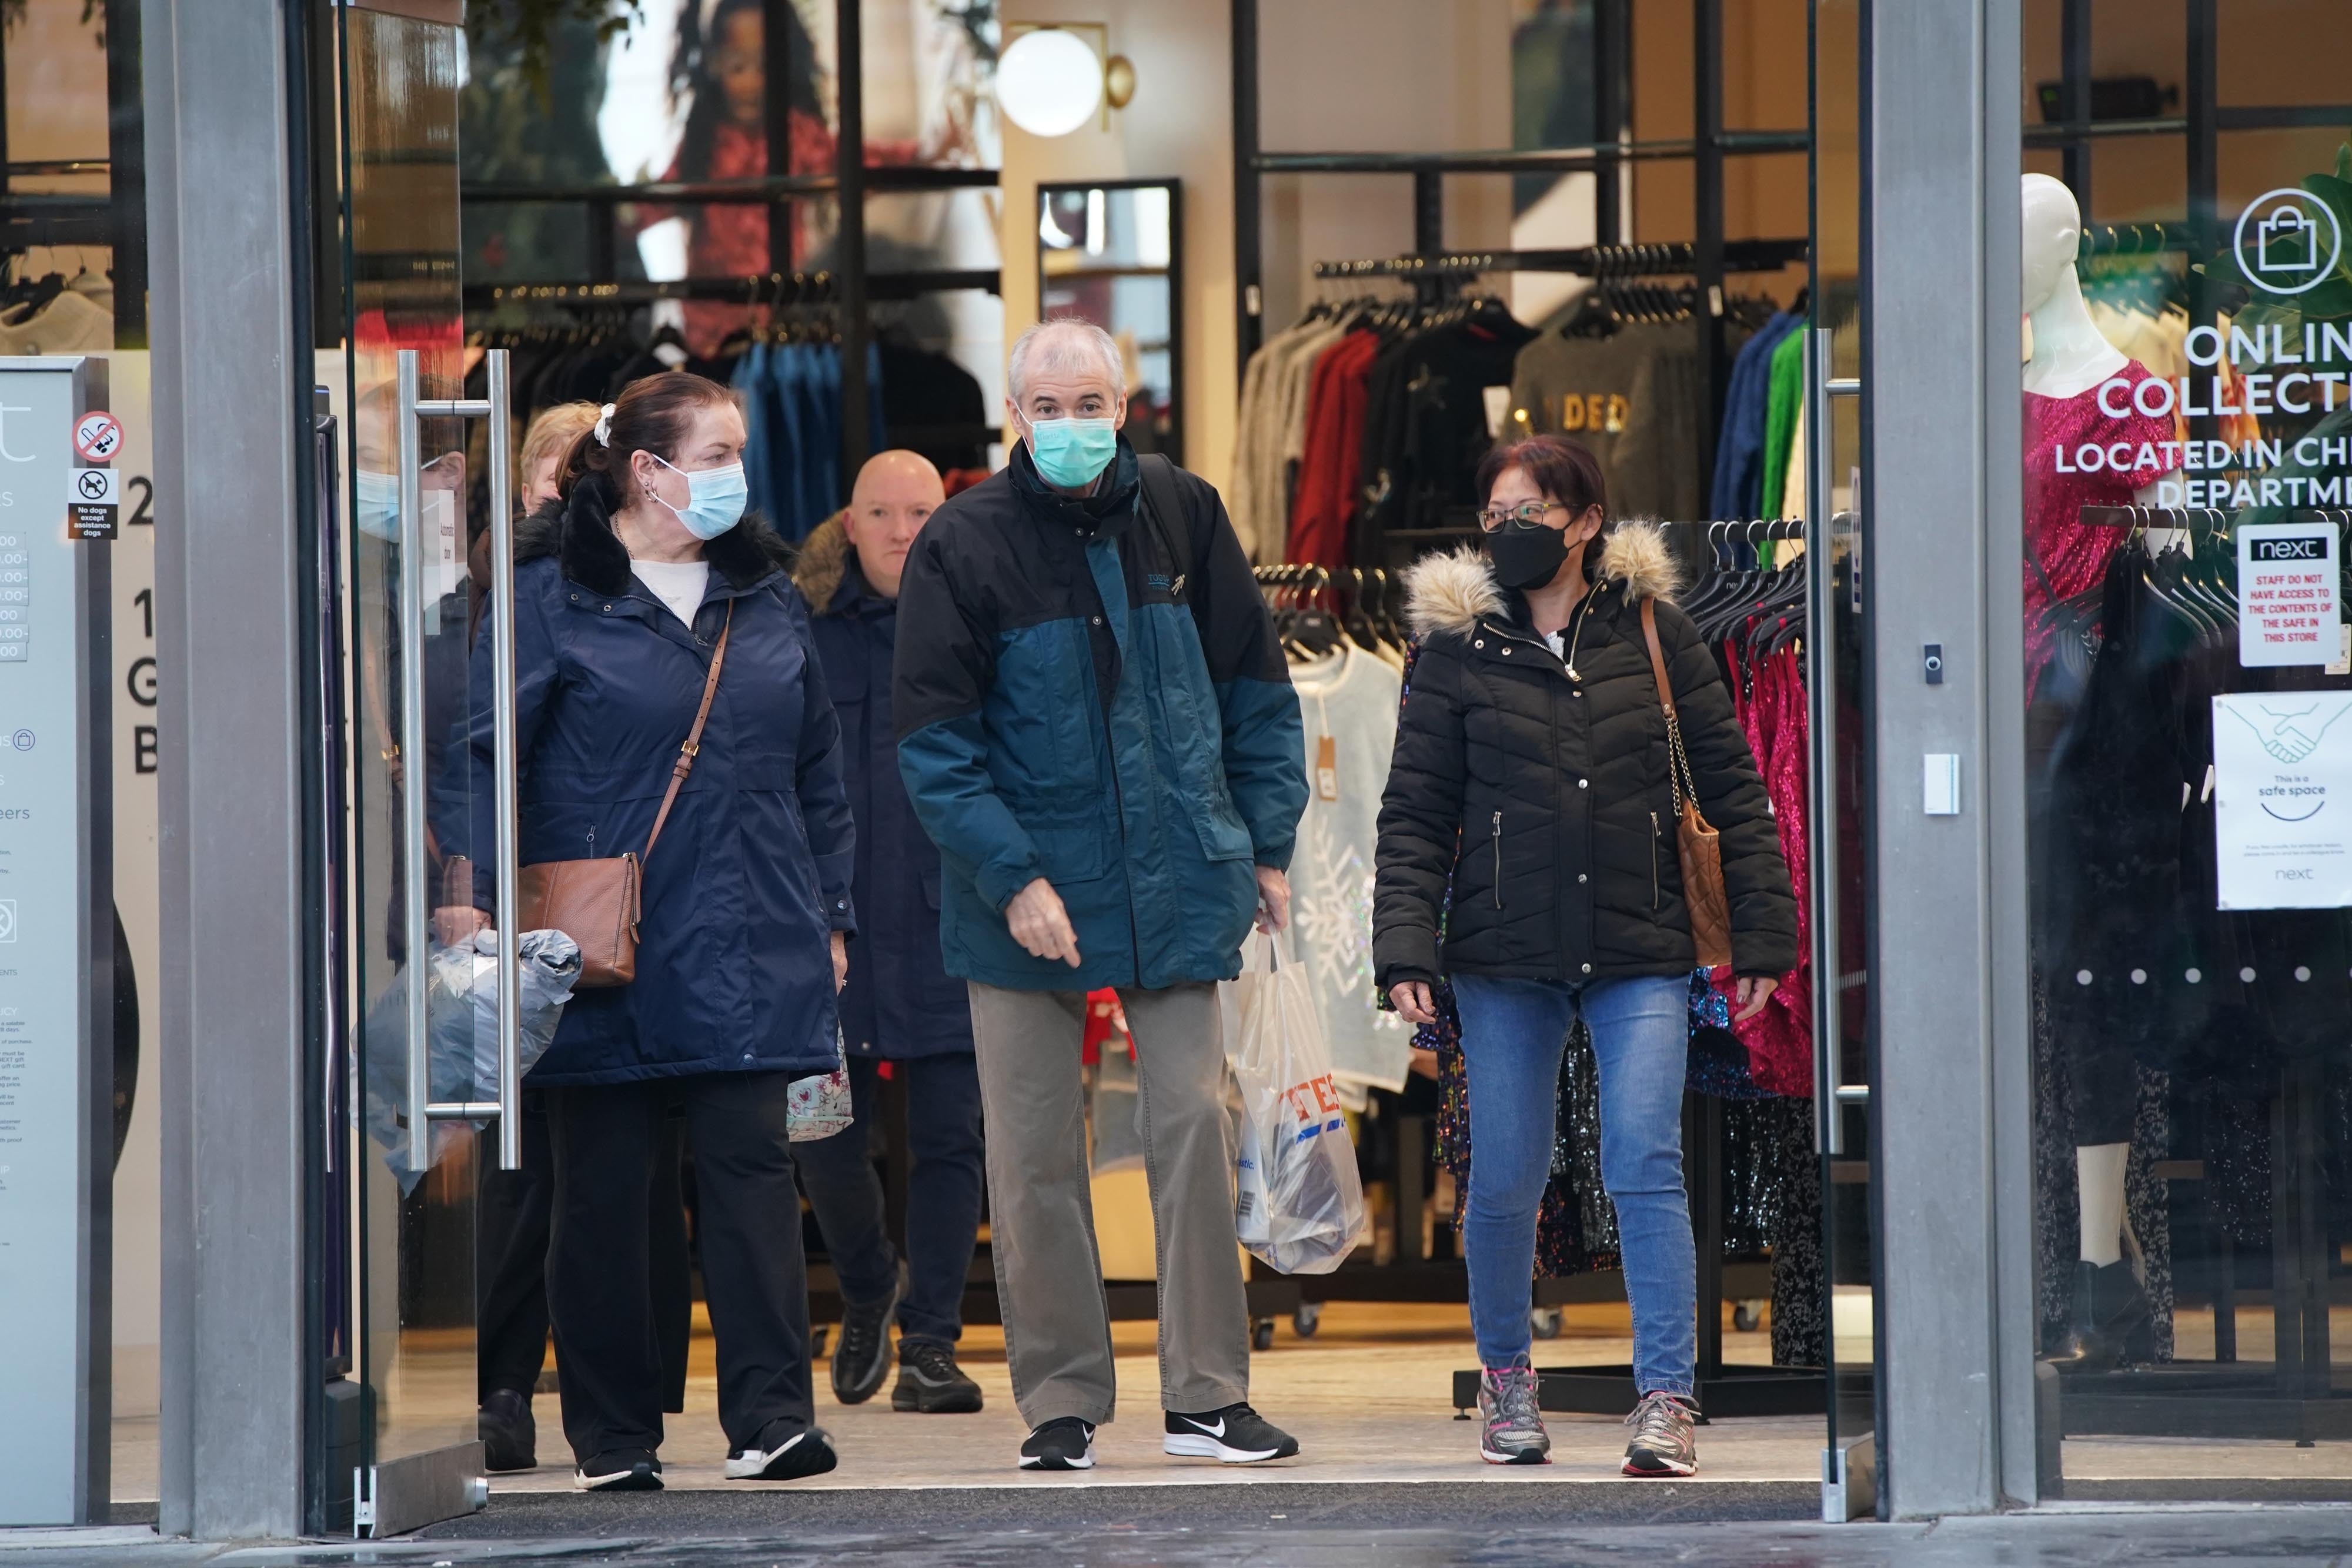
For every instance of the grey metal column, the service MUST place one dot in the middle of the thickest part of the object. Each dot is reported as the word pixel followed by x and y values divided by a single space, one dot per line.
pixel 227 358
pixel 1941 511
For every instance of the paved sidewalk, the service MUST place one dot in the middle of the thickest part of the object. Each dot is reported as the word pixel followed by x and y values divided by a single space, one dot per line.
pixel 1328 1527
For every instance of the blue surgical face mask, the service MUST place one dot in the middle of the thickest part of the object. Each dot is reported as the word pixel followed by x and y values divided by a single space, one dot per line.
pixel 379 504
pixel 1072 453
pixel 714 497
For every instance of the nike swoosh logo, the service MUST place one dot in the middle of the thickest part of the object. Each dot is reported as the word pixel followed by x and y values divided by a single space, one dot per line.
pixel 1216 1431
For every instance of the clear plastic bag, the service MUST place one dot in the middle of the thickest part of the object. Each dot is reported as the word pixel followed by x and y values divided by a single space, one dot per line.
pixel 461 1011
pixel 1298 1204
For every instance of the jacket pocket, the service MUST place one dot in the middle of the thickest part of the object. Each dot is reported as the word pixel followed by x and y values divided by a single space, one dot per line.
pixel 1498 840
pixel 1074 853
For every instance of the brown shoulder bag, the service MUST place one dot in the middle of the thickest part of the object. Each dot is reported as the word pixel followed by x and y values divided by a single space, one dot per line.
pixel 1696 845
pixel 596 902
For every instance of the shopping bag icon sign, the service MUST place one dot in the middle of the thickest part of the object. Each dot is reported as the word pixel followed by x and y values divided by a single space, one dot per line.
pixel 2286 242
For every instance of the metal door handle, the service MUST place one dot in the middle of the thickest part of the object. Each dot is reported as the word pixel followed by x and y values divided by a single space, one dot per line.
pixel 422 1109
pixel 1822 843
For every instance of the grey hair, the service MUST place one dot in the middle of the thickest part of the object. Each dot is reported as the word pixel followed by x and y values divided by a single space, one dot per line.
pixel 1065 343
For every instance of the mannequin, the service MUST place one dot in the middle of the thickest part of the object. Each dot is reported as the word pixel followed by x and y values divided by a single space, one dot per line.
pixel 2071 357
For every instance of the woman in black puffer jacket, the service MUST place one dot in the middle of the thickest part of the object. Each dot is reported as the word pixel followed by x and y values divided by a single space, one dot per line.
pixel 1530 771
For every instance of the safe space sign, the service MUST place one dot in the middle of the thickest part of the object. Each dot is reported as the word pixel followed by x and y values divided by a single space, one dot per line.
pixel 2283 799
pixel 2288 612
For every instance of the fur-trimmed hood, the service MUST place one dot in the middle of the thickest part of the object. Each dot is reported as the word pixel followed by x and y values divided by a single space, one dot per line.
pixel 824 560
pixel 1451 593
pixel 592 555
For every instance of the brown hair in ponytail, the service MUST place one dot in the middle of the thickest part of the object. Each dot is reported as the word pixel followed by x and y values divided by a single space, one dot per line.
pixel 652 414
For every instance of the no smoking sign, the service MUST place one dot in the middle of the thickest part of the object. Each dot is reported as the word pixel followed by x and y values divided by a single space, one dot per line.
pixel 98 436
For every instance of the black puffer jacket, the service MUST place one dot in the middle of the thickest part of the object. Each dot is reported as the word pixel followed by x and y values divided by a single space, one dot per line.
pixel 1545 795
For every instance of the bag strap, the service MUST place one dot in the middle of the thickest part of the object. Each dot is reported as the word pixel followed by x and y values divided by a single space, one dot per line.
pixel 1679 776
pixel 686 753
pixel 1164 509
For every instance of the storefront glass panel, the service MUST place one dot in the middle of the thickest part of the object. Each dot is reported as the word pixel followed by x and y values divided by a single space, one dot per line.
pixel 2188 344
pixel 412 1216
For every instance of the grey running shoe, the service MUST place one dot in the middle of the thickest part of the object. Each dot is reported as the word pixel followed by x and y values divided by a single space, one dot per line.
pixel 1511 1429
pixel 1665 1437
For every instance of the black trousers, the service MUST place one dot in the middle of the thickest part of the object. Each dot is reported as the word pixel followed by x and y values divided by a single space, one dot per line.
pixel 944 1180
pixel 599 1292
pixel 511 1216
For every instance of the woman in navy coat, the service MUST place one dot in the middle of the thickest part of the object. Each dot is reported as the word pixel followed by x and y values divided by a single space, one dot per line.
pixel 623 590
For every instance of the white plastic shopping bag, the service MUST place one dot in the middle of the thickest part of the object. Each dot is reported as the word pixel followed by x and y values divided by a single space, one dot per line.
pixel 1299 1204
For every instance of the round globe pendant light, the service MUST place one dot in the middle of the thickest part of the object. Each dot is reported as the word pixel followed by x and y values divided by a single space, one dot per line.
pixel 1049 82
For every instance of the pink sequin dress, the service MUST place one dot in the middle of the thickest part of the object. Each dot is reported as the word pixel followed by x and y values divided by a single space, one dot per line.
pixel 2063 557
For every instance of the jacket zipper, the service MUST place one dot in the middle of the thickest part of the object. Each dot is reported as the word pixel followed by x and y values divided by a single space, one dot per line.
pixel 1654 862
pixel 1499 859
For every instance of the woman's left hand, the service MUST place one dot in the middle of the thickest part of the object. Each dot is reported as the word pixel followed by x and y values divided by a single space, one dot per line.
pixel 1753 993
pixel 840 960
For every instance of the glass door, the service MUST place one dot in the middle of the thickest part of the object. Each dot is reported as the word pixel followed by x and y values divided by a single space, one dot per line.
pixel 427 1073
pixel 1841 768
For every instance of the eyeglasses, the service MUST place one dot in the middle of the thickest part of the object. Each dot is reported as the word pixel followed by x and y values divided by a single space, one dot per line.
pixel 1527 514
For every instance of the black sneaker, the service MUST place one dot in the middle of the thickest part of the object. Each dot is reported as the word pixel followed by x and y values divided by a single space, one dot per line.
pixel 931 1383
pixel 1235 1434
pixel 862 1359
pixel 509 1437
pixel 619 1470
pixel 1065 1443
pixel 785 1452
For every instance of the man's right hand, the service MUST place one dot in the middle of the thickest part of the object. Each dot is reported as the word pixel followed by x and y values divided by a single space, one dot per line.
pixel 1039 924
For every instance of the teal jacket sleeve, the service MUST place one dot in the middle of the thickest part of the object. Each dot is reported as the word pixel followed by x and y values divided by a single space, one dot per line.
pixel 943 665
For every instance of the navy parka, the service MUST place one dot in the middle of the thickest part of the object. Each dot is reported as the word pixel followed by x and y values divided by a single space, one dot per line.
pixel 752 872
pixel 1091 691
pixel 900 1001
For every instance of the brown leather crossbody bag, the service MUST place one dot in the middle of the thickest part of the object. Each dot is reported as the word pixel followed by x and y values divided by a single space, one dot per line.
pixel 1696 845
pixel 596 902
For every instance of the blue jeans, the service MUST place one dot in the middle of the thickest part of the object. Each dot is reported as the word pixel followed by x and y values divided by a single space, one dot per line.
pixel 1513 1032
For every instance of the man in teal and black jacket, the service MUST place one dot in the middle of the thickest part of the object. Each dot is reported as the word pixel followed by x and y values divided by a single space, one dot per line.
pixel 1097 727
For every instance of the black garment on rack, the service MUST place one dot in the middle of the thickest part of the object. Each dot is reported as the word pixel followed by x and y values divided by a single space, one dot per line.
pixel 932 405
pixel 1425 420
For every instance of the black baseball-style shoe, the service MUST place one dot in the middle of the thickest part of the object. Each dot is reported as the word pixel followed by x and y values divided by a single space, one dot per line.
pixel 786 1451
pixel 1235 1434
pixel 931 1383
pixel 510 1435
pixel 862 1358
pixel 619 1470
pixel 1064 1443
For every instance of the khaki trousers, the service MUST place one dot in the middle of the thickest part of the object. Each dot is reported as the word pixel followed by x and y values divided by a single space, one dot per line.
pixel 1041 1211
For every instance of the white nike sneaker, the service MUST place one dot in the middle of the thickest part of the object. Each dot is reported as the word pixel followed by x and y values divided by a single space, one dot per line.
pixel 1235 1434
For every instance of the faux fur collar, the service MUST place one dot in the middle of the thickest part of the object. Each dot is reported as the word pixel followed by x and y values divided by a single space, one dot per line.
pixel 1451 593
pixel 824 560
pixel 593 556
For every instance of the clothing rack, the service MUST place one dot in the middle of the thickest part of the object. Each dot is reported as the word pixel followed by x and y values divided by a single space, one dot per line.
pixel 2293 1396
pixel 1596 261
pixel 2136 239
pixel 850 183
pixel 115 221
pixel 1612 150
pixel 799 287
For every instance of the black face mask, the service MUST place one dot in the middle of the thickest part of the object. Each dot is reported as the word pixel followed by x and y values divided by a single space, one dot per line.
pixel 1526 559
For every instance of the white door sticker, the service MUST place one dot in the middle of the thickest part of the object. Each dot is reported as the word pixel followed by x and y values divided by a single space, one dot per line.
pixel 2283 799
pixel 2287 608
